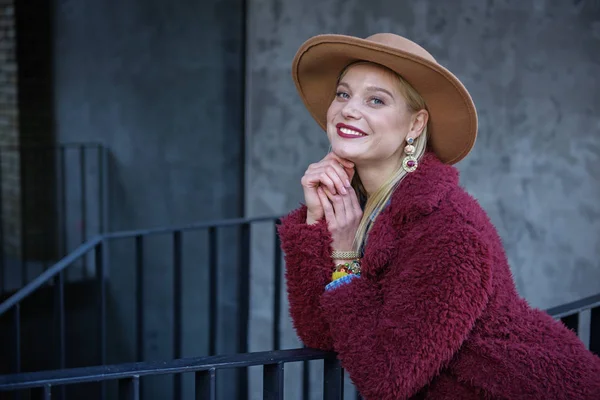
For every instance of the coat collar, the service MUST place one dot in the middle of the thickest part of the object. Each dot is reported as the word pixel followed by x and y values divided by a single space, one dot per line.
pixel 420 193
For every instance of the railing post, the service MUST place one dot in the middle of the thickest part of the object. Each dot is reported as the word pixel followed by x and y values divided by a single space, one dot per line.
pixel 83 208
pixel 129 389
pixel 59 320
pixel 99 261
pixel 139 303
pixel 42 393
pixel 305 380
pixel 63 201
pixel 206 385
pixel 595 330
pixel 276 290
pixel 103 193
pixel 243 303
pixel 213 306
pixel 273 381
pixel 177 304
pixel 17 338
pixel 139 297
pixel 333 379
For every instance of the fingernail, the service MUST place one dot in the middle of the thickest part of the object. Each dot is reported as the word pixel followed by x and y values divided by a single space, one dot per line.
pixel 344 191
pixel 348 183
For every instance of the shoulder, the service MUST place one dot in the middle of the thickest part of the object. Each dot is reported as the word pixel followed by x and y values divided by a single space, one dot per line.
pixel 456 228
pixel 460 207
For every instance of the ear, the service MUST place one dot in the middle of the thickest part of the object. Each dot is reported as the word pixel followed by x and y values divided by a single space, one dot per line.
pixel 418 124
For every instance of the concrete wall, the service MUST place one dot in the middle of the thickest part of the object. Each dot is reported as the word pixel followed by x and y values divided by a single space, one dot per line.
pixel 533 69
pixel 160 84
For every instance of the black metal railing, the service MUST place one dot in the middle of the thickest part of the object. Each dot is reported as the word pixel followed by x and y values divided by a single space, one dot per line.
pixel 98 250
pixel 52 198
pixel 40 385
pixel 570 315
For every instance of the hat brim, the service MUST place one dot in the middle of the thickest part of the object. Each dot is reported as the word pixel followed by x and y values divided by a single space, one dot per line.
pixel 452 126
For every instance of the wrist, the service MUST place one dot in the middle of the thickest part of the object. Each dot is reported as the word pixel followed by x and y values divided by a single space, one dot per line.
pixel 342 260
pixel 310 219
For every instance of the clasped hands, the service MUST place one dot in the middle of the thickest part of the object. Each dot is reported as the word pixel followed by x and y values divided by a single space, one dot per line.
pixel 328 193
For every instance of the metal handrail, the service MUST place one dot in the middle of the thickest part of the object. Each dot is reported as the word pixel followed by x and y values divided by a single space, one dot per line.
pixel 30 380
pixel 188 227
pixel 91 243
pixel 204 367
pixel 575 307
pixel 50 146
pixel 50 273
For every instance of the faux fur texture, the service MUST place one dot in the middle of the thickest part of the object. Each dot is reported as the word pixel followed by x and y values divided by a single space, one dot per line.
pixel 435 313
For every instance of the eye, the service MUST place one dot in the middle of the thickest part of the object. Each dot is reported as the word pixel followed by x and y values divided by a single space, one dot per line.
pixel 342 95
pixel 377 101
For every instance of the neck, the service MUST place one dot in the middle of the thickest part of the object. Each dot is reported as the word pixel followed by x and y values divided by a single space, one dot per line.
pixel 373 176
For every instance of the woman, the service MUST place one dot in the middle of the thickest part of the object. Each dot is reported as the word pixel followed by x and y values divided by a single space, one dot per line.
pixel 389 262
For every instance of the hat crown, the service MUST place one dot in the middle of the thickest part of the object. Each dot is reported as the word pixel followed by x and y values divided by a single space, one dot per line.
pixel 400 43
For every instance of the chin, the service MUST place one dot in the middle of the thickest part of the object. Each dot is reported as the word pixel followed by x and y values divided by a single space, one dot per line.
pixel 347 152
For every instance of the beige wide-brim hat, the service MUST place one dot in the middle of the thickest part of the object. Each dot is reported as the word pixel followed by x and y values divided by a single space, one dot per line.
pixel 452 115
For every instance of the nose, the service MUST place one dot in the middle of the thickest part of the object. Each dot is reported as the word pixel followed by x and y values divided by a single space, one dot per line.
pixel 350 111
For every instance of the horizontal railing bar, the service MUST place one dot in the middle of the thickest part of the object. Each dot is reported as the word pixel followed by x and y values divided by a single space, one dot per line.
pixel 189 227
pixel 45 276
pixel 575 306
pixel 120 371
pixel 88 145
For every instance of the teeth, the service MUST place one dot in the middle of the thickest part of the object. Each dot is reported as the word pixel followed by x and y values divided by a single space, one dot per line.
pixel 350 132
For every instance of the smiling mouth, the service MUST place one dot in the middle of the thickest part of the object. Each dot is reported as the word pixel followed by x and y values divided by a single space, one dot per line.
pixel 349 132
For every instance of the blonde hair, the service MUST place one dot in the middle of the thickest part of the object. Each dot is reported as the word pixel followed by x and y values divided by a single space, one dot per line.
pixel 378 200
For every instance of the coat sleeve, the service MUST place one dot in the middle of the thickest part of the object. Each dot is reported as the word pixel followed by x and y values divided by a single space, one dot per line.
pixel 307 250
pixel 394 336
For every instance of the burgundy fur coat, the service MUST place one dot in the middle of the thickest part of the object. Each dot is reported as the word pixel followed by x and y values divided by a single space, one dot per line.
pixel 435 313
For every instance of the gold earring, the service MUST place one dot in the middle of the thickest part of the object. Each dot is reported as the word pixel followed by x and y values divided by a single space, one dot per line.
pixel 410 162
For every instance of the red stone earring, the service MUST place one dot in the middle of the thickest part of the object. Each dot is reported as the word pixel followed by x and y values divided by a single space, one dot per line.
pixel 410 162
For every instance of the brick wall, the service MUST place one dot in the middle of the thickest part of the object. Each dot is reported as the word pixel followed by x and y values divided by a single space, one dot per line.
pixel 27 159
pixel 10 188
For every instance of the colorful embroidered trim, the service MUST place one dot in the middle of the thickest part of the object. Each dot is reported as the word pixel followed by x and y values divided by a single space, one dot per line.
pixel 344 269
pixel 341 281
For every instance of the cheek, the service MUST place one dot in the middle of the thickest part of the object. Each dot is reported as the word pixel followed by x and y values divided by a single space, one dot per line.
pixel 331 111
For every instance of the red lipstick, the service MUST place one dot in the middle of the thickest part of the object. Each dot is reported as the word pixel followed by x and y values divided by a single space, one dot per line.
pixel 340 127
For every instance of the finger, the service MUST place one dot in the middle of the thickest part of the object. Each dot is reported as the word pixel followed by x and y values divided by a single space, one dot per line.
pixel 340 182
pixel 349 208
pixel 343 173
pixel 318 178
pixel 327 207
pixel 355 204
pixel 329 182
pixel 338 207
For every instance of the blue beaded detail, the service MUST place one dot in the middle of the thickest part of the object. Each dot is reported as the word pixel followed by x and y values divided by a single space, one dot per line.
pixel 344 280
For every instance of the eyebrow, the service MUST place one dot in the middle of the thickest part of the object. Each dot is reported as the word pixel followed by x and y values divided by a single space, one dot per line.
pixel 371 89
